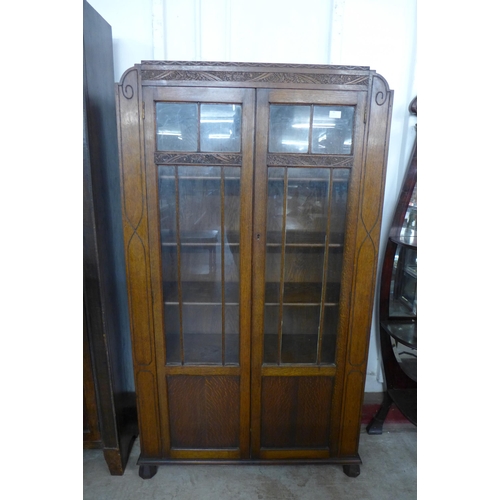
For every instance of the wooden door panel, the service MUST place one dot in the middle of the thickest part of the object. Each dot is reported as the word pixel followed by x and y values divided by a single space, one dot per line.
pixel 200 211
pixel 304 202
pixel 204 411
pixel 296 412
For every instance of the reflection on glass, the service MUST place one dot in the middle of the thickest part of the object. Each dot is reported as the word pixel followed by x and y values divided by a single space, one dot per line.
pixel 329 340
pixel 300 334
pixel 334 274
pixel 232 329
pixel 332 129
pixel 403 298
pixel 271 320
pixel 289 129
pixel 199 223
pixel 177 126
pixel 339 205
pixel 409 228
pixel 220 127
pixel 306 210
pixel 172 327
pixel 307 205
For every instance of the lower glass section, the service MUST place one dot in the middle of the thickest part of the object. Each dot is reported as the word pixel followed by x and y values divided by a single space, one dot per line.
pixel 199 208
pixel 305 219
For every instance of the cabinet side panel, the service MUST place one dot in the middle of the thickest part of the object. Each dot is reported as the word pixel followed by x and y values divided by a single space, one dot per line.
pixel 365 262
pixel 137 259
pixel 139 310
pixel 370 219
pixel 353 396
pixel 148 414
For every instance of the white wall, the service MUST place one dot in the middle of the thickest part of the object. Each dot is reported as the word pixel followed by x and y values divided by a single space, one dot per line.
pixel 376 33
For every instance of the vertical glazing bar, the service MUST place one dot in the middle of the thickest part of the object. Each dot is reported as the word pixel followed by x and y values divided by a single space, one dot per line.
pixel 222 265
pixel 325 267
pixel 311 115
pixel 282 266
pixel 179 278
pixel 198 127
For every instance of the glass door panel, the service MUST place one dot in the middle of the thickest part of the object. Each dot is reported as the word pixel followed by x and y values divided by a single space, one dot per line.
pixel 220 127
pixel 200 215
pixel 176 126
pixel 306 210
pixel 311 129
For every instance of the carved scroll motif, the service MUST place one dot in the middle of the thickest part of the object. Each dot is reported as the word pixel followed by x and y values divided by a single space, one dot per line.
pixel 382 95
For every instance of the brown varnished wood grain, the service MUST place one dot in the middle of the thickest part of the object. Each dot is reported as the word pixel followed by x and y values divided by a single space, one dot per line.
pixel 296 412
pixel 204 411
pixel 137 258
pixel 298 409
pixel 365 263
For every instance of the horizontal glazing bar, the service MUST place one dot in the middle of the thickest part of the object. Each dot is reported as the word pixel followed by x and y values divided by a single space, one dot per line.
pixel 184 303
pixel 301 304
pixel 166 244
pixel 304 245
pixel 199 177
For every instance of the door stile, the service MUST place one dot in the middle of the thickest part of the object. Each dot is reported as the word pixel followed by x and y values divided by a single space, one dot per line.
pixel 340 402
pixel 246 249
pixel 149 96
pixel 259 263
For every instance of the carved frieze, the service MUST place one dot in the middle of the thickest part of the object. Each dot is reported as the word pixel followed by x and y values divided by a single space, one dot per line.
pixel 255 65
pixel 198 158
pixel 255 77
pixel 302 160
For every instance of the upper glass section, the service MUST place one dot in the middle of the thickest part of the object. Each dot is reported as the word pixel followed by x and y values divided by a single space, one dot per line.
pixel 311 129
pixel 198 127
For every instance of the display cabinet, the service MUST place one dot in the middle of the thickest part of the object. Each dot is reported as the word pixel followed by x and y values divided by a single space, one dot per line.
pixel 252 199
pixel 398 304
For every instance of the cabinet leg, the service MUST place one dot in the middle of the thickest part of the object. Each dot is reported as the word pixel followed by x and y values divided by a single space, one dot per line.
pixel 352 470
pixel 377 422
pixel 147 471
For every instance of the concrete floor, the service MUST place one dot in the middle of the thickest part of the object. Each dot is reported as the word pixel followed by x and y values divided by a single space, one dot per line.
pixel 389 471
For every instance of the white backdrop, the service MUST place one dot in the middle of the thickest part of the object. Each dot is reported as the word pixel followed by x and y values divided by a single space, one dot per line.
pixel 376 33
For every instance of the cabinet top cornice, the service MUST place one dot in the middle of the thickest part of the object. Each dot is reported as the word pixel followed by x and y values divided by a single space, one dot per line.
pixel 242 74
pixel 253 65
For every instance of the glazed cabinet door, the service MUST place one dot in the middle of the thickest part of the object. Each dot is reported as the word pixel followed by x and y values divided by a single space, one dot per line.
pixel 199 173
pixel 307 166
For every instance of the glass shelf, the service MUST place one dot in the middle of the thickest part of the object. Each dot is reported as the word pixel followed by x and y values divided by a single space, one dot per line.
pixel 403 332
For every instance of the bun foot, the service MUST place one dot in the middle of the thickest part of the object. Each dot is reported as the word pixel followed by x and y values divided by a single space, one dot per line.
pixel 352 470
pixel 147 471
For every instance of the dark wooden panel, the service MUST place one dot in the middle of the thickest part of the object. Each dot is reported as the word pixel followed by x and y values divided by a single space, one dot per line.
pixel 296 412
pixel 104 281
pixel 204 411
pixel 91 433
